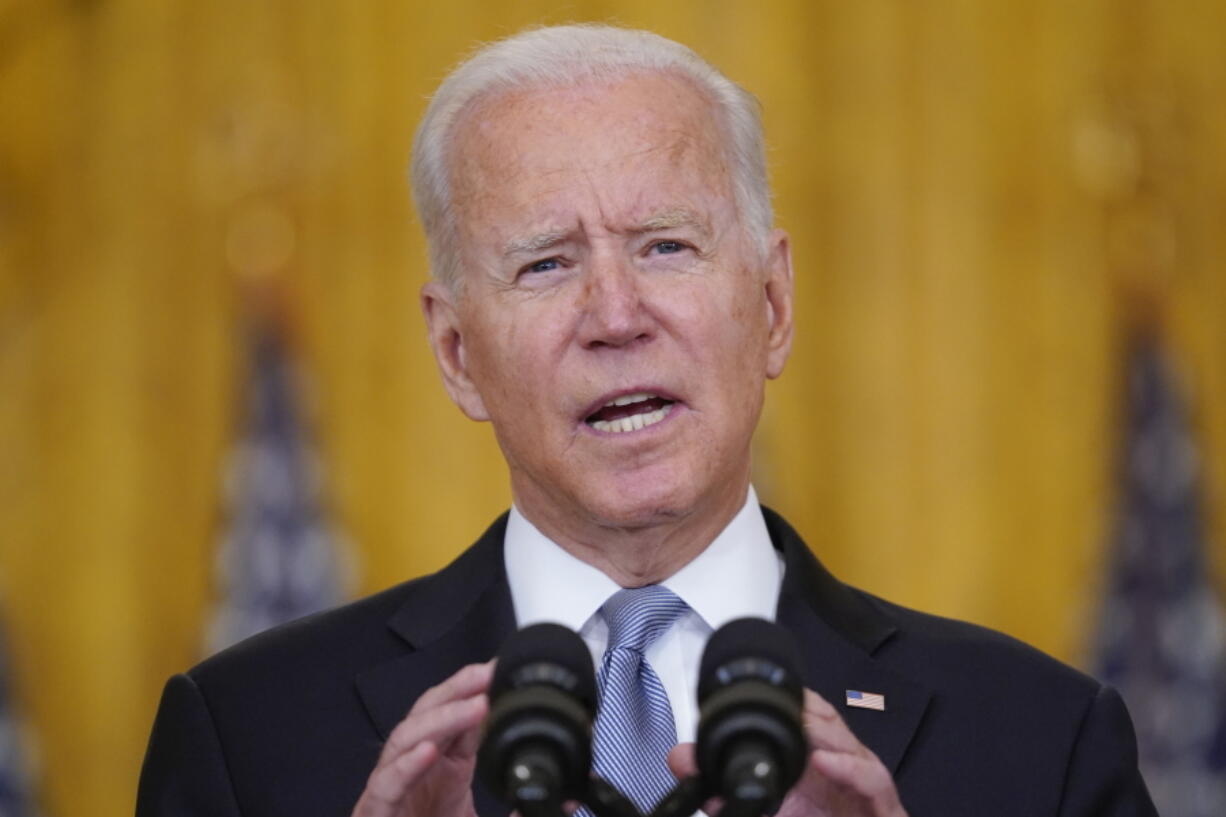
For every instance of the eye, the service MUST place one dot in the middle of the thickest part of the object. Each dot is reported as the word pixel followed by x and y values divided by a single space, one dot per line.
pixel 667 247
pixel 544 265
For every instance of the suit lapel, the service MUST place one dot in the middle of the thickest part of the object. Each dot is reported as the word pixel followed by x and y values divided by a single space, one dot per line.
pixel 458 616
pixel 839 630
pixel 388 690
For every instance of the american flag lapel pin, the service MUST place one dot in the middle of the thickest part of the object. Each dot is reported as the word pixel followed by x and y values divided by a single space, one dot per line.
pixel 865 700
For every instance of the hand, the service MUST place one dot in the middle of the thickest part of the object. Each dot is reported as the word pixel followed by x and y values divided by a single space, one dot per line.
pixel 843 778
pixel 426 767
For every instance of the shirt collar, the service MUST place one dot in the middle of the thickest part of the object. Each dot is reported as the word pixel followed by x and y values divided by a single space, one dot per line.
pixel 547 583
pixel 739 574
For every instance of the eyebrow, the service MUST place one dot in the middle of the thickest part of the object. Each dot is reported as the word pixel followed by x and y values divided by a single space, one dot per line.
pixel 669 219
pixel 533 243
pixel 672 219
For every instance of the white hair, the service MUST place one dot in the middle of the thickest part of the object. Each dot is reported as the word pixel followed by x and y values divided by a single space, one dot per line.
pixel 563 56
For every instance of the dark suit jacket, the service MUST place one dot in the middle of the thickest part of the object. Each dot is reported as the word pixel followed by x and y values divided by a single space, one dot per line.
pixel 290 723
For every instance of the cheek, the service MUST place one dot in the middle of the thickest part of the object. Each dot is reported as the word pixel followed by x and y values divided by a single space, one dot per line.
pixel 513 358
pixel 489 353
pixel 741 341
pixel 738 325
pixel 749 302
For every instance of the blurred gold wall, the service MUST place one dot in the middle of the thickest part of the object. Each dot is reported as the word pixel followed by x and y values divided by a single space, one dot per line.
pixel 984 196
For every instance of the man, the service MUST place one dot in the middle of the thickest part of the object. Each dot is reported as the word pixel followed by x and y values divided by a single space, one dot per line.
pixel 609 293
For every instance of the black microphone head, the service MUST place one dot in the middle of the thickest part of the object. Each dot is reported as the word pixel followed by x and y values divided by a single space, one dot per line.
pixel 536 748
pixel 751 746
pixel 550 655
pixel 749 648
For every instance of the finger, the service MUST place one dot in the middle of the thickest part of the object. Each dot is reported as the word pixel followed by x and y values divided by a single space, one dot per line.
pixel 864 775
pixel 387 784
pixel 815 704
pixel 466 743
pixel 825 728
pixel 439 725
pixel 682 761
pixel 465 683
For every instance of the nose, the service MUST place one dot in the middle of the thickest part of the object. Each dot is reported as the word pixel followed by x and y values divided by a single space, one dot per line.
pixel 614 314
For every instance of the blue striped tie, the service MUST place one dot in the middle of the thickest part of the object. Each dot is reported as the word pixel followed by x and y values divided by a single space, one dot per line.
pixel 634 728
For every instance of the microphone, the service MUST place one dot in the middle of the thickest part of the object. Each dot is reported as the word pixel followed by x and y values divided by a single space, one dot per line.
pixel 751 747
pixel 536 749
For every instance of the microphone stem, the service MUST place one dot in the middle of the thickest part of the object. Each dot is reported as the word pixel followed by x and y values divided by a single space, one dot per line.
pixel 606 801
pixel 743 808
pixel 685 799
pixel 540 810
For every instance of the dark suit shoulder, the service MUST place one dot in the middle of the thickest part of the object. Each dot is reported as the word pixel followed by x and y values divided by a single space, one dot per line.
pixel 958 654
pixel 358 628
pixel 947 654
pixel 295 717
pixel 371 629
pixel 973 721
pixel 1032 734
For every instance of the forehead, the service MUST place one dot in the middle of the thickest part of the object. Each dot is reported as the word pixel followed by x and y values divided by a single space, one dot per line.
pixel 644 142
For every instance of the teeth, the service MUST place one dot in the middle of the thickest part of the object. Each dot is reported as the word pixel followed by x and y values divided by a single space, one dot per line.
pixel 632 423
pixel 630 398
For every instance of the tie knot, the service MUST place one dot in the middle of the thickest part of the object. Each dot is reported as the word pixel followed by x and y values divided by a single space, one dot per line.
pixel 638 616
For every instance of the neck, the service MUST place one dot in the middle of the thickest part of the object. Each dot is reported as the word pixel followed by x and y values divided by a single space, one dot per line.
pixel 641 552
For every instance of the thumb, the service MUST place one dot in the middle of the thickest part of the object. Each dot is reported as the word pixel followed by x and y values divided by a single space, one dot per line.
pixel 681 761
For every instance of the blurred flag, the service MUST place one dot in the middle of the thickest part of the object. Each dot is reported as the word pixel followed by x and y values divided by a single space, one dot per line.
pixel 1162 637
pixel 278 559
pixel 16 798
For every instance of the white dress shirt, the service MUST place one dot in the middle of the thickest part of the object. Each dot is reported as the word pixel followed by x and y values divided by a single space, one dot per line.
pixel 739 574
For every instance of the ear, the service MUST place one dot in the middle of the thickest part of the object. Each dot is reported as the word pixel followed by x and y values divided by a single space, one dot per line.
pixel 441 307
pixel 778 302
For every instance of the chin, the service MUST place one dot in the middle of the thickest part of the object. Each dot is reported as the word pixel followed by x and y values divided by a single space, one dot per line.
pixel 642 503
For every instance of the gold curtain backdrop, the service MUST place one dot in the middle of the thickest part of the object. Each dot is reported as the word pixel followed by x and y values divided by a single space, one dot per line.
pixel 986 198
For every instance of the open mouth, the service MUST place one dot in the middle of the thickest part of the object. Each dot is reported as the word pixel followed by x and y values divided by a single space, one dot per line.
pixel 630 412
